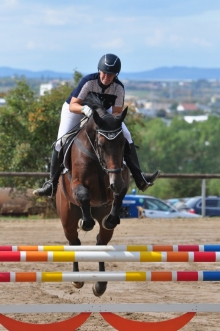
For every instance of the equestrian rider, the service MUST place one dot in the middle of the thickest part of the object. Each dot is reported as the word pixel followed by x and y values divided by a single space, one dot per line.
pixel 106 85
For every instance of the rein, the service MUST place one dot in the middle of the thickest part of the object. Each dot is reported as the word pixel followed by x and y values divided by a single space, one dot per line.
pixel 110 135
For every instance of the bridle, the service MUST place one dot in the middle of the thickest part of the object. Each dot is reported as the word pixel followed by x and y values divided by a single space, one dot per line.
pixel 110 135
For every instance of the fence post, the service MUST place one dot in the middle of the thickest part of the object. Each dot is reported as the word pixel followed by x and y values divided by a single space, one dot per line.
pixel 203 196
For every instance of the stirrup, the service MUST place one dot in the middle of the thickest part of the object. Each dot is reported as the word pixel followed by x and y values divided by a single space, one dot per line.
pixel 144 184
pixel 152 178
pixel 148 180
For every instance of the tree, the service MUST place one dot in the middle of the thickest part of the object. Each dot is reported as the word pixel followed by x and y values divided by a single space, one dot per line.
pixel 77 76
pixel 134 121
pixel 181 148
pixel 28 127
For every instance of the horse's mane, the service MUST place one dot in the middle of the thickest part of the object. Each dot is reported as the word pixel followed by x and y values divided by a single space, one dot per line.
pixel 106 121
pixel 94 102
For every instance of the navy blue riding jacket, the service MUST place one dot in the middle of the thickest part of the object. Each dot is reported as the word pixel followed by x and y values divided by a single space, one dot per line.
pixel 111 95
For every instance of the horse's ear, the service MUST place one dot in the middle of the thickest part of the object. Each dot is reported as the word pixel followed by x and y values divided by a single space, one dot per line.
pixel 97 118
pixel 123 114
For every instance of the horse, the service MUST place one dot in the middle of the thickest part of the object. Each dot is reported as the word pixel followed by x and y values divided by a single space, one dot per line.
pixel 96 182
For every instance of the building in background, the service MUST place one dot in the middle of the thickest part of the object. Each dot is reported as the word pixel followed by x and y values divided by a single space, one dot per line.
pixel 187 107
pixel 2 102
pixel 46 88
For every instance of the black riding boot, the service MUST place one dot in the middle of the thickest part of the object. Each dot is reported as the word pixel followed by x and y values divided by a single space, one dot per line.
pixel 141 179
pixel 50 187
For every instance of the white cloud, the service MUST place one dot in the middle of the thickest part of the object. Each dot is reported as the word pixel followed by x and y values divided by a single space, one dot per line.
pixel 155 38
pixel 112 43
pixel 202 43
pixel 54 17
pixel 68 31
pixel 31 45
pixel 45 18
pixel 8 4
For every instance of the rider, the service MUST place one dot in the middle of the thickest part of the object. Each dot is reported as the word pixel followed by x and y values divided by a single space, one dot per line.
pixel 106 85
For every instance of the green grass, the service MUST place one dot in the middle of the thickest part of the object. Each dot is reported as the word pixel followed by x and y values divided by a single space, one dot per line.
pixel 19 218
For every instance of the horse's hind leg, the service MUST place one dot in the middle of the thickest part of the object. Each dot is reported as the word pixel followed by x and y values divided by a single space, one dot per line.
pixel 75 241
pixel 69 215
pixel 99 288
pixel 103 238
pixel 76 266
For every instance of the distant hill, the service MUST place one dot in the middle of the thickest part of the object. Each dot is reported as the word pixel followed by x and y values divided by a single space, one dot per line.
pixel 174 73
pixel 163 73
pixel 10 72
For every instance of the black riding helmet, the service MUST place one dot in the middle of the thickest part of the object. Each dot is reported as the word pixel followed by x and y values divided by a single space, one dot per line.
pixel 110 64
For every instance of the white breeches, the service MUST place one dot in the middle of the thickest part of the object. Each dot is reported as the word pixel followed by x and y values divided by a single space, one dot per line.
pixel 69 120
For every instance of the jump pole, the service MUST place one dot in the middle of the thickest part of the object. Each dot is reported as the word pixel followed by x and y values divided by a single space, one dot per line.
pixel 118 256
pixel 114 308
pixel 147 248
pixel 125 276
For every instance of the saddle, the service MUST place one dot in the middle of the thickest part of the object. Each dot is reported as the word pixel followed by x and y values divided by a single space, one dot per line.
pixel 67 140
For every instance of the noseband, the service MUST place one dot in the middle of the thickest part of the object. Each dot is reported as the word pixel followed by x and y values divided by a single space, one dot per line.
pixel 110 135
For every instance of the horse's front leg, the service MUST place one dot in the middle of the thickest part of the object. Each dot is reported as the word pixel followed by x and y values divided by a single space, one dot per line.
pixel 113 219
pixel 86 223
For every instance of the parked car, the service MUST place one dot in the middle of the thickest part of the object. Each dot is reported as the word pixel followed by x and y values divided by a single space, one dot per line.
pixel 159 209
pixel 178 203
pixel 172 201
pixel 212 205
pixel 152 207
pixel 130 203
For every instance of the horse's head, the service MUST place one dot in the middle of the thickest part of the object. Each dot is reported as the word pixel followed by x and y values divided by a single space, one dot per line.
pixel 109 142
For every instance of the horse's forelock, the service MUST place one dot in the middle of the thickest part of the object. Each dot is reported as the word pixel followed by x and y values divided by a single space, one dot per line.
pixel 109 122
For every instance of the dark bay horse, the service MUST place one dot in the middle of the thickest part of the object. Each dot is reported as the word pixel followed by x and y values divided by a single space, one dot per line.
pixel 95 185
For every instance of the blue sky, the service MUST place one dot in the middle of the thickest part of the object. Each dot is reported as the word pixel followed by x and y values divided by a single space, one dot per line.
pixel 146 34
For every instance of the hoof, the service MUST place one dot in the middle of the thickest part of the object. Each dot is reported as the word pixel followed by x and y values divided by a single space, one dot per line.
pixel 99 288
pixel 82 226
pixel 109 225
pixel 78 284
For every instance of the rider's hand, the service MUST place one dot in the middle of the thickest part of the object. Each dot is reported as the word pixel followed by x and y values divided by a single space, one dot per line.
pixel 87 111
